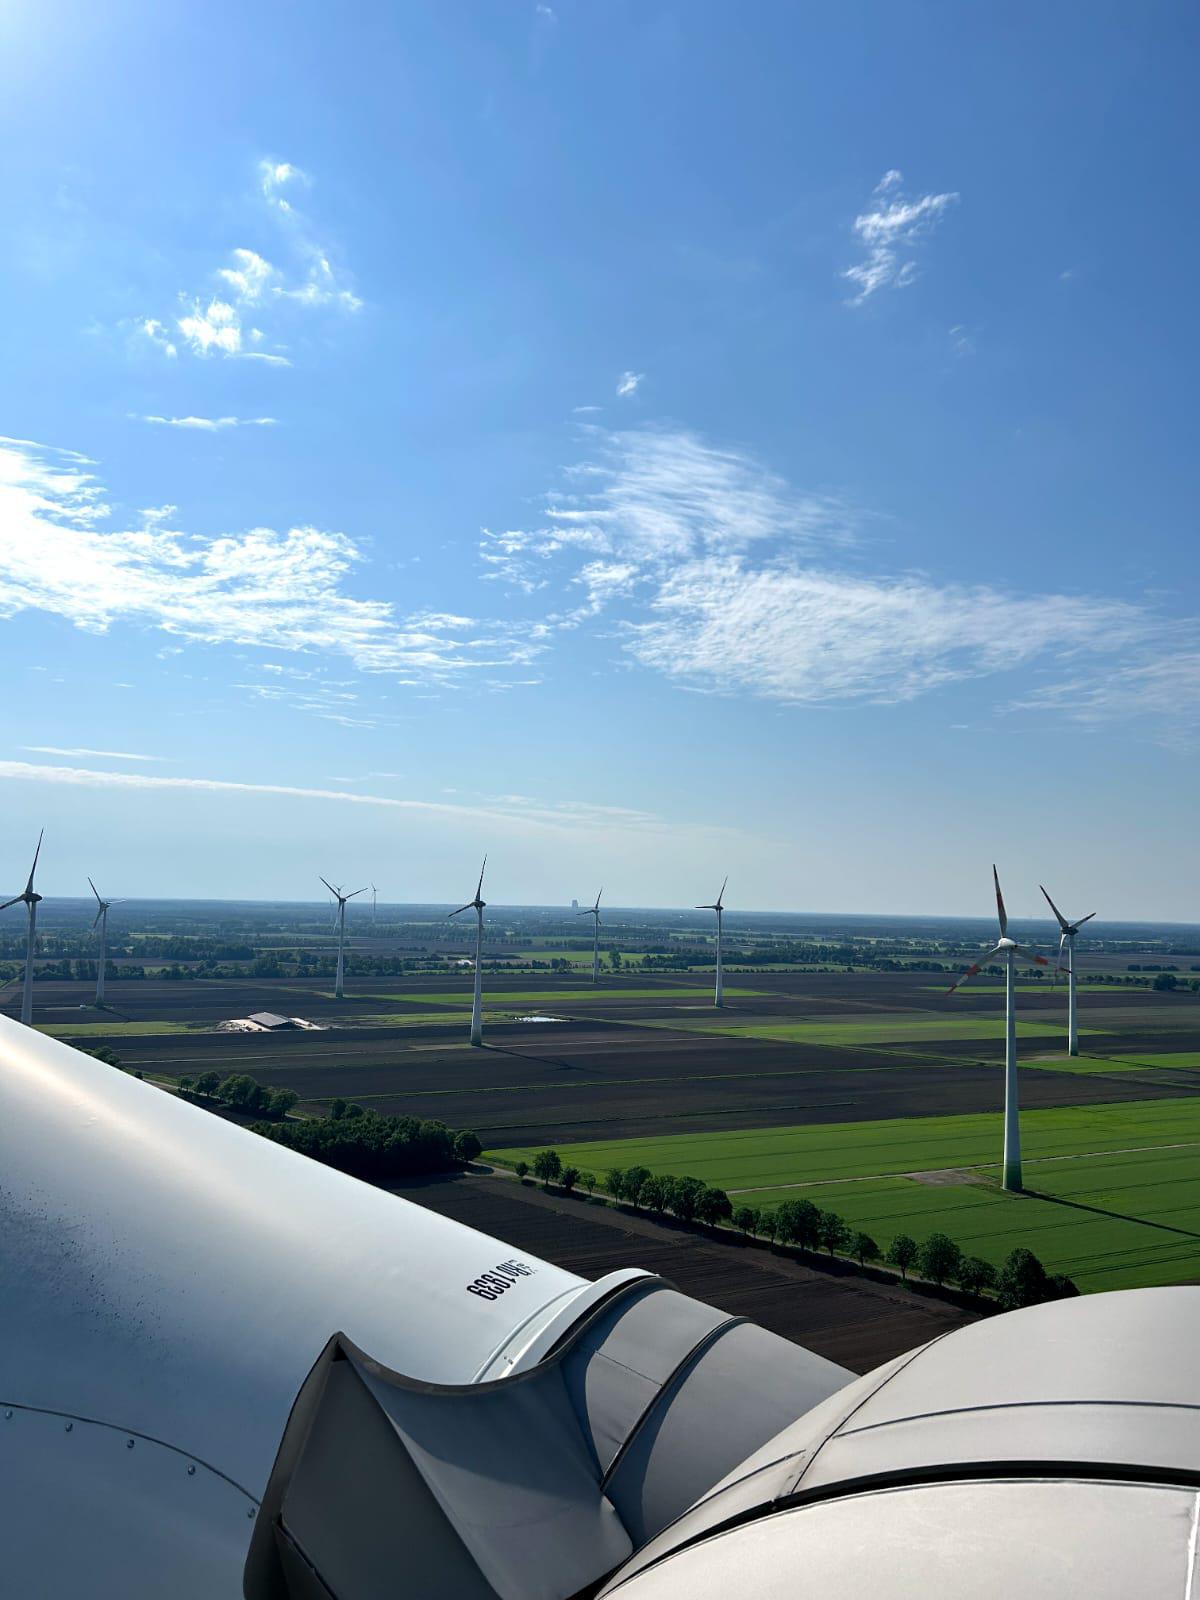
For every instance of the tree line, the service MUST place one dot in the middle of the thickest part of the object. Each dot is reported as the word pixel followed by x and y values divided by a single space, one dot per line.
pixel 376 1148
pixel 1022 1280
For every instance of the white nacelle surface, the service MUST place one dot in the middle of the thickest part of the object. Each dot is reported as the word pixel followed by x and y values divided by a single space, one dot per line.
pixel 169 1278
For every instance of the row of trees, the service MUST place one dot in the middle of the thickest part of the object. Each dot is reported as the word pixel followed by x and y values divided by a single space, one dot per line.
pixel 240 1091
pixel 1022 1281
pixel 378 1149
pixel 689 1199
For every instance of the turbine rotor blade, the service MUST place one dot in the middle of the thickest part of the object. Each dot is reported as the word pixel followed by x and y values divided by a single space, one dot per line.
pixel 351 895
pixel 973 969
pixel 95 891
pixel 1000 904
pixel 721 896
pixel 1062 921
pixel 33 868
pixel 470 906
pixel 479 885
pixel 1029 955
pixel 329 886
pixel 96 920
pixel 1082 920
pixel 17 899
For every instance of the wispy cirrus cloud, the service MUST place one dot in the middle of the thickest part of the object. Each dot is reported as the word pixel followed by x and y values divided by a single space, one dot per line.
pixel 250 288
pixel 1158 688
pixel 714 571
pixel 510 812
pixel 628 383
pixel 271 590
pixel 891 229
pixel 75 750
pixel 815 637
pixel 211 424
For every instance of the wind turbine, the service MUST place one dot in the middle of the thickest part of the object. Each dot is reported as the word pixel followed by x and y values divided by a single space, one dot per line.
pixel 594 911
pixel 718 907
pixel 29 899
pixel 102 919
pixel 1010 950
pixel 477 905
pixel 341 903
pixel 373 905
pixel 1067 937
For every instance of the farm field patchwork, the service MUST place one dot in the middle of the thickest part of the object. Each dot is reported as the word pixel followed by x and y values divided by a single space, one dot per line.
pixel 906 1029
pixel 1051 991
pixel 1113 1190
pixel 97 1030
pixel 551 996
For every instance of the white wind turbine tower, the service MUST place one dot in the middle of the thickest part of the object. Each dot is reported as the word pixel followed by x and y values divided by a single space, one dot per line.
pixel 341 903
pixel 1009 949
pixel 373 904
pixel 594 911
pixel 29 899
pixel 102 919
pixel 477 906
pixel 1068 930
pixel 719 907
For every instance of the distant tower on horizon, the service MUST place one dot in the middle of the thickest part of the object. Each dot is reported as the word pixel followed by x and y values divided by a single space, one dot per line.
pixel 574 905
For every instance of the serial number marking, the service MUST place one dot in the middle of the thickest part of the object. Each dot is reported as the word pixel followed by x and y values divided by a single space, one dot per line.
pixel 491 1285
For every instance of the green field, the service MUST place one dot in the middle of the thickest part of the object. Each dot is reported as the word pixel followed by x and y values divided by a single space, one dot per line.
pixel 1113 1190
pixel 1108 1064
pixel 99 1030
pixel 1111 1222
pixel 905 1029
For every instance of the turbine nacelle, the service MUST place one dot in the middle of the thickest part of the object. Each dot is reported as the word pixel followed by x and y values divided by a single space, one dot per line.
pixel 479 904
pixel 29 896
pixel 337 893
pixel 718 905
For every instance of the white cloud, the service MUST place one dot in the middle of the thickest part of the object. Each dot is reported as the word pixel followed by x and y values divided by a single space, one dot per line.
pixel 890 230
pixel 280 591
pixel 506 811
pixel 108 755
pixel 274 177
pixel 212 323
pixel 321 288
pixel 214 327
pixel 962 341
pixel 212 424
pixel 157 334
pixel 628 382
pixel 1160 688
pixel 721 576
pixel 808 636
pixel 249 277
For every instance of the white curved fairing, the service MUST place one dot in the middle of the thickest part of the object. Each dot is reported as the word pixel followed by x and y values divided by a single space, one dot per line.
pixel 174 1277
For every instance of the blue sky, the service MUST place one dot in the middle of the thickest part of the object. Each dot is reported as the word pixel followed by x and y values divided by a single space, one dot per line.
pixel 645 441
